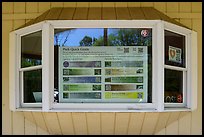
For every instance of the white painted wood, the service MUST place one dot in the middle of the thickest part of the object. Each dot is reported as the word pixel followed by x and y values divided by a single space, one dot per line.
pixel 175 68
pixel 30 29
pixel 194 71
pixel 103 23
pixel 12 71
pixel 30 68
pixel 47 73
pixel 158 63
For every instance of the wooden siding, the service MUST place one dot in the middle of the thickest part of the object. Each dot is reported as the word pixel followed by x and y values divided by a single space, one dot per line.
pixel 15 15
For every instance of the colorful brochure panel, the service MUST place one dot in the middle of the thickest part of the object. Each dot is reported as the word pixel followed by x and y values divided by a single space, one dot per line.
pixel 123 71
pixel 82 79
pixel 94 64
pixel 67 72
pixel 124 95
pixel 124 79
pixel 123 63
pixel 85 95
pixel 109 87
pixel 81 87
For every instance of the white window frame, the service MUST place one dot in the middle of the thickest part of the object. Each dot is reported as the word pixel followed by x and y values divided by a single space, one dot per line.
pixel 47 66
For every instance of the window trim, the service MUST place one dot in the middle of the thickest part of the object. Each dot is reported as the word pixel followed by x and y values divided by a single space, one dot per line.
pixel 158 65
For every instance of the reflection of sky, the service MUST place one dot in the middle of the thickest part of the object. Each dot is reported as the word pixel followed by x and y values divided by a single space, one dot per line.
pixel 77 35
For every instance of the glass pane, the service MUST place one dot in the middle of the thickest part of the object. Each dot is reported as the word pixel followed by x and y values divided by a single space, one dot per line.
pixel 174 49
pixel 78 37
pixel 32 86
pixel 173 86
pixel 129 37
pixel 103 65
pixel 31 49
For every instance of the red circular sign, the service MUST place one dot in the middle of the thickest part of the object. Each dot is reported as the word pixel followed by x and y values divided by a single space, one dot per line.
pixel 179 98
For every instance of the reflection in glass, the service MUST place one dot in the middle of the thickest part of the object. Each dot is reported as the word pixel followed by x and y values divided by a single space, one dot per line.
pixel 100 37
pixel 129 37
pixel 32 86
pixel 173 86
pixel 78 37
pixel 31 49
pixel 174 49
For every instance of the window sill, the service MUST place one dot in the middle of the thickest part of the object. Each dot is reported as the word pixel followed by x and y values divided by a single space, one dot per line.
pixel 102 110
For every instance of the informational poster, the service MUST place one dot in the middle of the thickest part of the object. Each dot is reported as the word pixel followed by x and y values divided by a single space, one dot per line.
pixel 103 74
pixel 175 54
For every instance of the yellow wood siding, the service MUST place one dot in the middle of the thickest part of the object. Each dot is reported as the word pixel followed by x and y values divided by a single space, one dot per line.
pixel 15 14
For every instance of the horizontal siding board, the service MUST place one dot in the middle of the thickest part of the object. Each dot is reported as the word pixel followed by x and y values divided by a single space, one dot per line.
pixel 67 14
pixel 80 13
pixel 136 13
pixel 95 13
pixel 108 13
pixel 123 14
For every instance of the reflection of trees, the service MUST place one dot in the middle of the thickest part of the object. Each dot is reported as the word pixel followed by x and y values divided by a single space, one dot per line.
pixel 87 41
pixel 27 62
pixel 119 37
pixel 62 36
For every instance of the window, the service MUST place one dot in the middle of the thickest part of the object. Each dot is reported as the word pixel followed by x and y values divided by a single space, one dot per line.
pixel 31 69
pixel 175 69
pixel 103 66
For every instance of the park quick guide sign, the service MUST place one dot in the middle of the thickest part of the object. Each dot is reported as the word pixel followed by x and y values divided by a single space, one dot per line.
pixel 103 74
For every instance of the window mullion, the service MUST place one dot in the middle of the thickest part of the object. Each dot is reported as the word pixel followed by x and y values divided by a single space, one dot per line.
pixel 158 66
pixel 47 87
